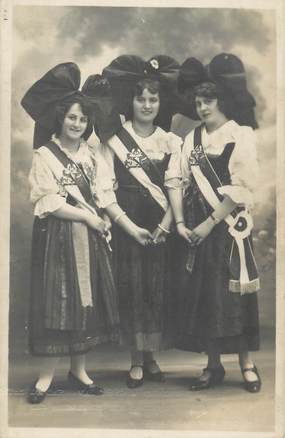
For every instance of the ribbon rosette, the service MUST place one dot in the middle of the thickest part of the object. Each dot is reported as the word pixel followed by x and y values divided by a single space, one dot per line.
pixel 242 225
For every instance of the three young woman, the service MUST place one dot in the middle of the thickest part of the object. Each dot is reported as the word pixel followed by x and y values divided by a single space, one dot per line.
pixel 73 293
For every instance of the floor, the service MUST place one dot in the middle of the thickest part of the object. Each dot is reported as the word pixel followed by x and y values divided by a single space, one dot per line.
pixel 167 406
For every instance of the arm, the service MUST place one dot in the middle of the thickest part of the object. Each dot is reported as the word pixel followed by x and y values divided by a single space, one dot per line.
pixel 173 183
pixel 49 197
pixel 68 212
pixel 176 201
pixel 176 194
pixel 171 188
pixel 141 235
pixel 204 229
pixel 243 169
pixel 163 229
pixel 108 201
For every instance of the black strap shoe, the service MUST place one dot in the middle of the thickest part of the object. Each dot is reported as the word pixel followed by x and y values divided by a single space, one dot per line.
pixel 157 376
pixel 256 384
pixel 134 383
pixel 35 396
pixel 216 377
pixel 78 385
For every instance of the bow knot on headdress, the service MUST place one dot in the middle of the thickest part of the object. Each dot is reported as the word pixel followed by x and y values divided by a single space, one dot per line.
pixel 126 71
pixel 228 73
pixel 61 83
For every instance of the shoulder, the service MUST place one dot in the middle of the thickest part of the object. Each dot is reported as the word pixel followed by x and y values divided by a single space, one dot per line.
pixel 128 126
pixel 41 149
pixel 173 141
pixel 39 154
pixel 188 142
pixel 243 134
pixel 174 138
pixel 245 150
pixel 92 149
pixel 189 137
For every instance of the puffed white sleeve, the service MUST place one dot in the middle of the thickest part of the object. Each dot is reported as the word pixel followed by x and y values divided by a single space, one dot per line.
pixel 173 177
pixel 105 178
pixel 186 152
pixel 243 167
pixel 45 192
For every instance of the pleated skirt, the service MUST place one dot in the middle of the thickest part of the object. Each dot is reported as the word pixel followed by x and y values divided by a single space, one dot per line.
pixel 58 323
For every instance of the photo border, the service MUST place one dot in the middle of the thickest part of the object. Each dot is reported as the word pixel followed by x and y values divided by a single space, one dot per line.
pixel 6 17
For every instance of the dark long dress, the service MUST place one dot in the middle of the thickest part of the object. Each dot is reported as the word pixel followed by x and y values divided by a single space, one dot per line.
pixel 58 323
pixel 140 272
pixel 206 309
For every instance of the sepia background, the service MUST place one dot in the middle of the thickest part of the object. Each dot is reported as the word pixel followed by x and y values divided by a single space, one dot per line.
pixel 91 37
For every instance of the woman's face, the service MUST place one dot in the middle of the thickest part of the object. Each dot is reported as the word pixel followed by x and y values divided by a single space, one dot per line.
pixel 208 109
pixel 146 106
pixel 74 124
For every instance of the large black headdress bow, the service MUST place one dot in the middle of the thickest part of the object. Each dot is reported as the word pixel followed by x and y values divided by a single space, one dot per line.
pixel 126 71
pixel 192 72
pixel 60 83
pixel 228 72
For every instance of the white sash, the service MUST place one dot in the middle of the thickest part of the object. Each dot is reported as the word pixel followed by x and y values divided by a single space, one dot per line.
pixel 79 230
pixel 122 152
pixel 57 169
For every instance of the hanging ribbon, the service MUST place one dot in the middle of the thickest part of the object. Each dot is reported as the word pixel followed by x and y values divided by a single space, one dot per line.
pixel 244 275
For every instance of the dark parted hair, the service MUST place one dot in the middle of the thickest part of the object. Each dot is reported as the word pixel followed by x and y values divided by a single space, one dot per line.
pixel 152 85
pixel 227 104
pixel 64 106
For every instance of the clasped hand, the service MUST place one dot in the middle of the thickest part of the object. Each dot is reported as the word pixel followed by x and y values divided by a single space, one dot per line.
pixel 198 234
pixel 146 238
pixel 97 223
pixel 193 237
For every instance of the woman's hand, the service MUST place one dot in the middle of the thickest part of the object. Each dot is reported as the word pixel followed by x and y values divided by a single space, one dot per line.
pixel 143 236
pixel 184 232
pixel 202 231
pixel 159 236
pixel 96 223
pixel 107 221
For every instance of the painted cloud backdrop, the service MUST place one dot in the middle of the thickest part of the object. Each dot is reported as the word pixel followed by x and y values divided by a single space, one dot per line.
pixel 93 36
pixel 44 36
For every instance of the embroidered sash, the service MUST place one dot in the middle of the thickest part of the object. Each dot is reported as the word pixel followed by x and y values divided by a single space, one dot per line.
pixel 243 269
pixel 141 167
pixel 71 176
pixel 68 173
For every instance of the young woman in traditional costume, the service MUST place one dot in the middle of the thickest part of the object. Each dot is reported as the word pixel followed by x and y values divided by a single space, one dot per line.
pixel 73 300
pixel 146 161
pixel 217 303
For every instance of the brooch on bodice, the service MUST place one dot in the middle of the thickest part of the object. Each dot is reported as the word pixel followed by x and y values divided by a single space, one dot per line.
pixel 135 158
pixel 196 154
pixel 70 175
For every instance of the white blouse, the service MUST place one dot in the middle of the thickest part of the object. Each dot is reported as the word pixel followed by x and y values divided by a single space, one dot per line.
pixel 155 146
pixel 243 165
pixel 48 194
